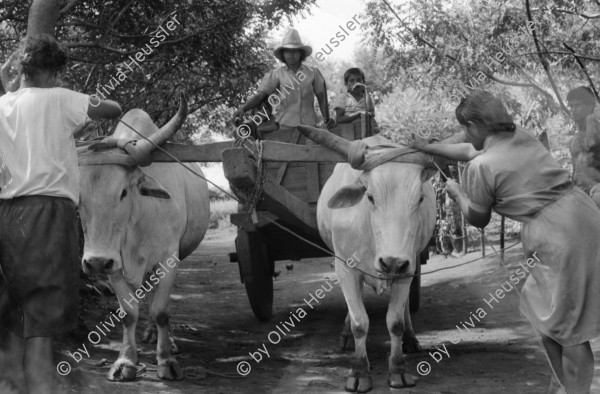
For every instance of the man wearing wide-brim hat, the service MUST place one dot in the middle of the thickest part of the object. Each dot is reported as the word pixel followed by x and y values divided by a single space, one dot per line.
pixel 290 89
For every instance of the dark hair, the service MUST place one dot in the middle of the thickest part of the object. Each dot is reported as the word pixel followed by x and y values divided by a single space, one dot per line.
pixel 484 108
pixel 355 71
pixel 42 52
pixel 582 93
pixel 302 53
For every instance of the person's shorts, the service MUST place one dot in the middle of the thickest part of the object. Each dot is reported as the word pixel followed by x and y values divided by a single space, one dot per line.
pixel 39 253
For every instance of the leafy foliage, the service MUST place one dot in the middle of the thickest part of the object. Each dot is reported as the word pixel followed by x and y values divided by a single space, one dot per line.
pixel 215 55
pixel 460 46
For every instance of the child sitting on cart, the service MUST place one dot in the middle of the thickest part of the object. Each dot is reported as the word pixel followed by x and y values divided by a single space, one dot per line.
pixel 355 101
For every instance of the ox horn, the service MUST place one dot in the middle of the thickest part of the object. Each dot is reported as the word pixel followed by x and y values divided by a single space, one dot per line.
pixel 327 139
pixel 142 149
pixel 165 132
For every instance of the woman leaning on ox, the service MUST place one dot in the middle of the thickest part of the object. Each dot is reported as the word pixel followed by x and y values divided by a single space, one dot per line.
pixel 510 172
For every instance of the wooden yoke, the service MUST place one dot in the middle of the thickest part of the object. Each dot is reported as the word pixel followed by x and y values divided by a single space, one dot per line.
pixel 375 153
pixel 211 152
pixel 184 153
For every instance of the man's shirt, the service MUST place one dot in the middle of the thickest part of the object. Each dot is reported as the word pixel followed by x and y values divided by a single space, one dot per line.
pixel 293 94
pixel 37 148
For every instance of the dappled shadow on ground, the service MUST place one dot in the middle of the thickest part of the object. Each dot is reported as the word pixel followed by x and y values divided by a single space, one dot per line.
pixel 215 330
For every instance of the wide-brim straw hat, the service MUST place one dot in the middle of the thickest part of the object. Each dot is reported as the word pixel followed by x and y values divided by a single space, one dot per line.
pixel 292 41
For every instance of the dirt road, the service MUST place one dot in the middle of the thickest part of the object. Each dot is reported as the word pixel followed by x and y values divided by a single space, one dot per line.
pixel 215 330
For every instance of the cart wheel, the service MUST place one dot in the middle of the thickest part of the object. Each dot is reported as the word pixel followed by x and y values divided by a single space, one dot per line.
pixel 256 271
pixel 414 296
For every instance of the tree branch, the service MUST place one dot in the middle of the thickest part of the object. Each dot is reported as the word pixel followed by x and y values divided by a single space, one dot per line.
pixel 131 52
pixel 542 60
pixel 67 8
pixel 596 59
pixel 99 46
pixel 531 84
pixel 584 71
pixel 509 83
pixel 119 16
pixel 415 35
pixel 543 91
pixel 77 22
pixel 563 11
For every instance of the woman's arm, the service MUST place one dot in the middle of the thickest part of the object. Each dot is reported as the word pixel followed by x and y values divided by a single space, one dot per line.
pixel 460 152
pixel 477 215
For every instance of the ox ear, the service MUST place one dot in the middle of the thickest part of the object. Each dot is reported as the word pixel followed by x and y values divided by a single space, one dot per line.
pixel 150 187
pixel 348 196
pixel 427 174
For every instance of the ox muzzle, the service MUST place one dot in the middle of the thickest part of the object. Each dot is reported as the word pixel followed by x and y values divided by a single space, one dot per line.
pixel 392 265
pixel 100 265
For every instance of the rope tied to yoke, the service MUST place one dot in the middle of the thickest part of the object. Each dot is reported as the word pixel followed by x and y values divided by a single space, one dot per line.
pixel 250 195
pixel 142 158
pixel 366 157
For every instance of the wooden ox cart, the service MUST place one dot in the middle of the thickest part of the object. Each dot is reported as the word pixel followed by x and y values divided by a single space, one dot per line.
pixel 283 197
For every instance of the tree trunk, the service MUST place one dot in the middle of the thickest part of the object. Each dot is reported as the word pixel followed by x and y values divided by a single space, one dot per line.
pixel 43 15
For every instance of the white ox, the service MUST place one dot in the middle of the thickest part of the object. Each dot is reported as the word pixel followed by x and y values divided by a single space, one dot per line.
pixel 381 219
pixel 139 222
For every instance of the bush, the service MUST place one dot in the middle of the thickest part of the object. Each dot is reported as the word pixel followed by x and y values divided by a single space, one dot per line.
pixel 411 111
pixel 220 211
pixel 215 194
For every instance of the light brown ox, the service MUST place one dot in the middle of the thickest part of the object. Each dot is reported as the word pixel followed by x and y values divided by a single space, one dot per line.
pixel 139 222
pixel 383 218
